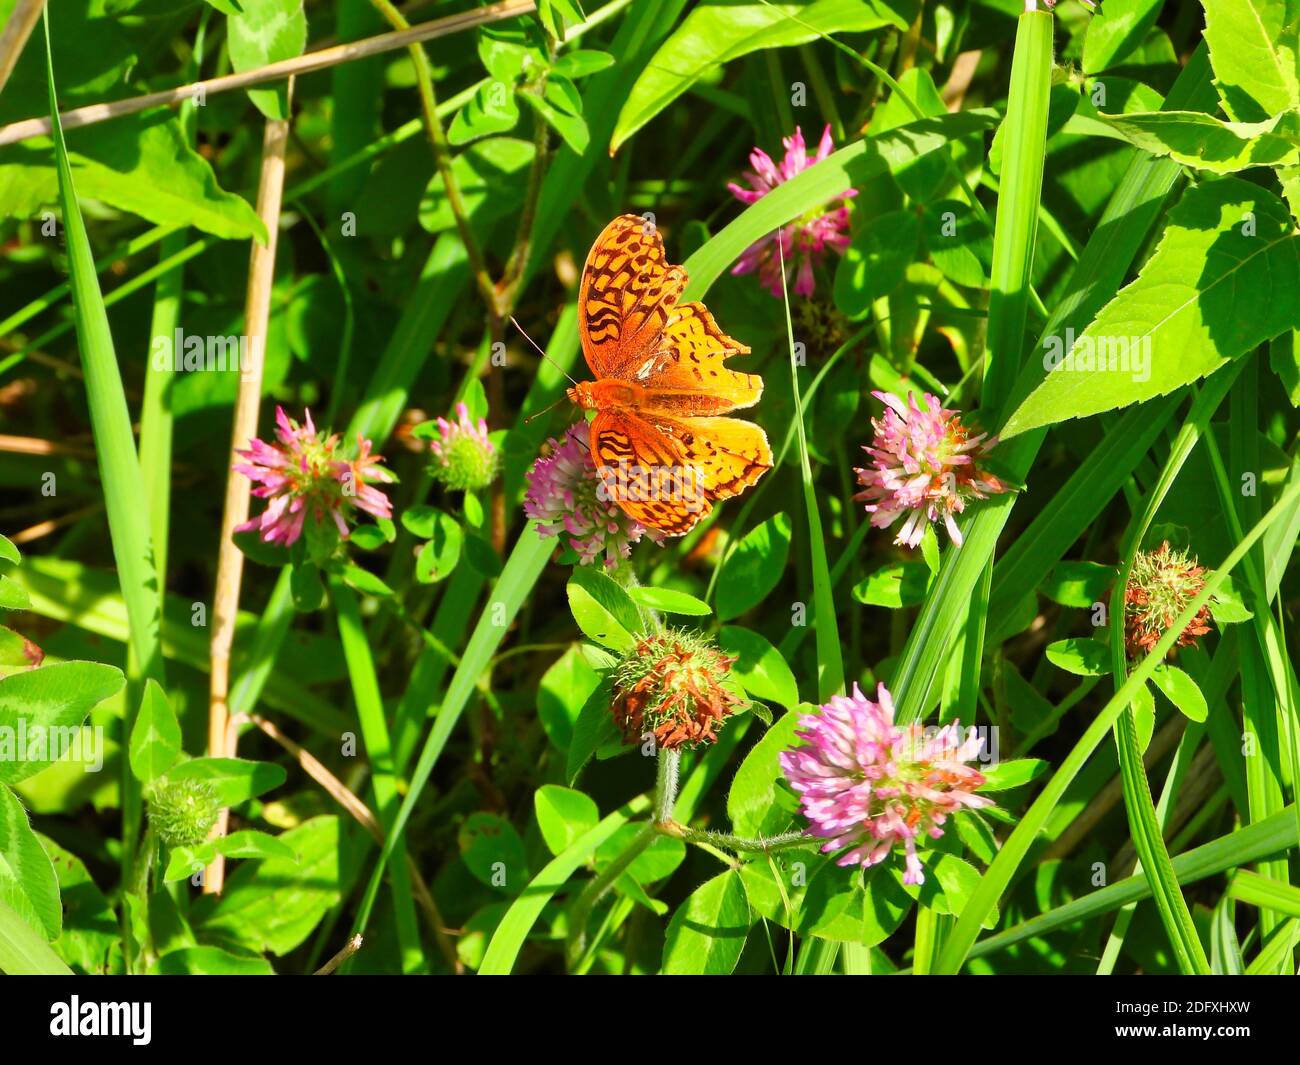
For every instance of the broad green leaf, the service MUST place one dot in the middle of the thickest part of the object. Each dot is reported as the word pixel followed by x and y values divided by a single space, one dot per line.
pixel 1209 143
pixel 958 242
pixel 593 730
pixel 156 737
pixel 1144 716
pixel 603 610
pixel 949 882
pixel 1182 691
pixel 1253 49
pixel 1078 584
pixel 1003 776
pixel 9 553
pixel 564 689
pixel 1228 607
pixel 139 163
pixel 494 852
pixel 489 174
pixel 12 595
pixel 669 601
pixel 365 582
pixel 275 904
pixel 1208 294
pixel 23 952
pixel 1082 657
pixel 1284 352
pixel 759 666
pixel 493 109
pixel 209 961
pixel 186 861
pixel 1116 30
pixel 708 931
pixel 754 804
pixel 581 62
pixel 438 557
pixel 552 107
pixel 52 701
pixel 876 260
pixel 753 569
pixel 837 906
pixel 91 932
pixel 27 881
pixel 563 815
pixel 266 32
pixel 657 862
pixel 235 780
pixel 715 33
pixel 894 585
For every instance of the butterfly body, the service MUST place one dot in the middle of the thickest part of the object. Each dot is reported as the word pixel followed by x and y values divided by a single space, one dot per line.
pixel 661 386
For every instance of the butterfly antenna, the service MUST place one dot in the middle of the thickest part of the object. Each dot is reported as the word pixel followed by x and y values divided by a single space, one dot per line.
pixel 540 352
pixel 539 413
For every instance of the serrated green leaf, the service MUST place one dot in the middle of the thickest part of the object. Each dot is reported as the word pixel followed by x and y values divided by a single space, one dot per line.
pixel 1207 143
pixel 1207 295
pixel 1253 49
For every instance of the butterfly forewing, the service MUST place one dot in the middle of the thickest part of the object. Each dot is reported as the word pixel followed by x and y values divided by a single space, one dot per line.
pixel 663 453
pixel 628 293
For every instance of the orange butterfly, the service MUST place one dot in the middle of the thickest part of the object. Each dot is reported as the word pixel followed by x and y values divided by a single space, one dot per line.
pixel 663 453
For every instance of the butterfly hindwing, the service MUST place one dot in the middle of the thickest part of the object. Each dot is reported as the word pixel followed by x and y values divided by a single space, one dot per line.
pixel 637 463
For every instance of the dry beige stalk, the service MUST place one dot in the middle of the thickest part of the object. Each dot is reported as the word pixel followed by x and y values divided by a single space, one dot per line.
pixel 16 31
pixel 230 560
pixel 286 68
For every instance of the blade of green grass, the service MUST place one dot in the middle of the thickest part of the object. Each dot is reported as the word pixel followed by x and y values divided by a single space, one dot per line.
pixel 374 734
pixel 1024 145
pixel 521 571
pixel 119 468
pixel 830 664
pixel 1273 835
pixel 1148 837
pixel 510 934
pixel 999 874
